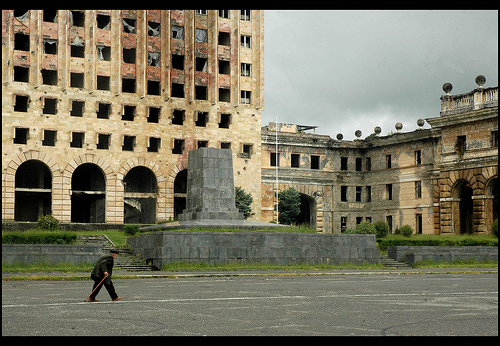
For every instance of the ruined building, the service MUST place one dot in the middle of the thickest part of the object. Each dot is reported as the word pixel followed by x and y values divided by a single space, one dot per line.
pixel 442 180
pixel 100 108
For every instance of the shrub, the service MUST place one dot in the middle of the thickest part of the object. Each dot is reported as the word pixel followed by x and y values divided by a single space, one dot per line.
pixel 494 228
pixel 131 229
pixel 48 223
pixel 288 206
pixel 406 230
pixel 38 237
pixel 366 227
pixel 382 229
pixel 349 231
pixel 243 202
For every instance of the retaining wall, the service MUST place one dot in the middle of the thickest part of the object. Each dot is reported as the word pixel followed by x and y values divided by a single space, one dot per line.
pixel 412 254
pixel 254 247
pixel 50 253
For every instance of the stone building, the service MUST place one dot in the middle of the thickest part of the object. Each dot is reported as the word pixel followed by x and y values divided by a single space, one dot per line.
pixel 100 108
pixel 440 180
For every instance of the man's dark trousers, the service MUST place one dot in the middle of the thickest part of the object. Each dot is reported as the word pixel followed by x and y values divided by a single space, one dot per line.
pixel 109 287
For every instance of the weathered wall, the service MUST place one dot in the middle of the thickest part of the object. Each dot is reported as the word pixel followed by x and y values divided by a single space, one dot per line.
pixel 254 247
pixel 50 253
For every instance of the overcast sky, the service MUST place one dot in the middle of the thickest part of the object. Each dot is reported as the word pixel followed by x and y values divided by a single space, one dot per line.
pixel 349 70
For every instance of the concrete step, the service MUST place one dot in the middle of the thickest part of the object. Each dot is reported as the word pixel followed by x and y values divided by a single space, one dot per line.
pixel 392 263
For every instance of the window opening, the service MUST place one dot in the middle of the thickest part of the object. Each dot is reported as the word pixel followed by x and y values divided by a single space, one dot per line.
pixel 77 51
pixel 177 90
pixel 178 117
pixel 21 135
pixel 388 161
pixel 103 53
pixel 129 55
pixel 368 193
pixel 418 157
pixel 359 163
pixel 177 32
pixel 77 139
pixel 246 41
pixel 22 42
pixel 225 121
pixel 343 163
pixel 388 189
pixel 246 97
pixel 225 145
pixel 153 59
pixel 275 160
pixel 103 141
pixel 343 223
pixel 49 138
pixel 201 64
pixel 368 163
pixel 77 108
pixel 154 115
pixel 343 193
pixel 246 15
pixel 418 189
pixel 128 113
pixel 202 144
pixel 178 146
pixel 128 85
pixel 224 95
pixel 246 69
pixel 224 67
pixel 128 143
pixel 128 25
pixel 224 38
pixel 154 29
pixel 202 119
pixel 50 106
pixel 224 13
pixel 153 87
pixel 21 103
pixel 359 191
pixel 77 18
pixel 76 80
pixel 154 144
pixel 102 83
pixel 49 77
pixel 50 16
pixel 104 110
pixel 201 35
pixel 103 22
pixel 21 74
pixel 314 162
pixel 178 61
pixel 295 160
pixel 200 92
pixel 247 150
pixel 49 46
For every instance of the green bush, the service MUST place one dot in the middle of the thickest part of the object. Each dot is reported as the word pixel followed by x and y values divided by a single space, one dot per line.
pixel 48 223
pixel 288 206
pixel 382 229
pixel 131 229
pixel 436 240
pixel 406 230
pixel 349 231
pixel 243 202
pixel 38 237
pixel 494 228
pixel 365 227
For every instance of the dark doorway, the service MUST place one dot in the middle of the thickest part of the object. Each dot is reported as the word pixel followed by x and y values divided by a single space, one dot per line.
pixel 33 191
pixel 180 188
pixel 88 194
pixel 466 210
pixel 307 216
pixel 140 196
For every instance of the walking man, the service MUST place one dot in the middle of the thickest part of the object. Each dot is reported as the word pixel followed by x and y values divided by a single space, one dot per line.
pixel 102 272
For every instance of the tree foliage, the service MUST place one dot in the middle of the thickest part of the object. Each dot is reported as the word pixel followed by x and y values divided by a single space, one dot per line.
pixel 288 206
pixel 243 202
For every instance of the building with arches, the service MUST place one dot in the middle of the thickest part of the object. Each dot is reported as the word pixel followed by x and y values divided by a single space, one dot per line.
pixel 100 108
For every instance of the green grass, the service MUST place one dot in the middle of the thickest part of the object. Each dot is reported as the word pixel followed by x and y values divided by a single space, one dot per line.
pixel 46 267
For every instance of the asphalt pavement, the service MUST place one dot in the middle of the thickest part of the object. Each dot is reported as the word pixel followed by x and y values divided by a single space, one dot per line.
pixel 430 302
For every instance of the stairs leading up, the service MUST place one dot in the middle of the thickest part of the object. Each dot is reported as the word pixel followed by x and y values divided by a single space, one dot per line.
pixel 392 263
pixel 126 259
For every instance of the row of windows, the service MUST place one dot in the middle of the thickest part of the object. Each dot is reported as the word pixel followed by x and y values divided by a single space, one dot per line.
pixel 388 220
pixel 128 142
pixel 344 195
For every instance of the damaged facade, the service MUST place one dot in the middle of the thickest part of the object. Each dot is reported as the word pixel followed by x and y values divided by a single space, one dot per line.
pixel 442 180
pixel 100 108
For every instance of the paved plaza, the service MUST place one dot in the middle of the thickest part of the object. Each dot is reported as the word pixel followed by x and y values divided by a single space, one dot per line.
pixel 375 304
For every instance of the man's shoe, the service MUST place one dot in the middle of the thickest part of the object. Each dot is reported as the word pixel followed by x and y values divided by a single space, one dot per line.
pixel 117 299
pixel 92 300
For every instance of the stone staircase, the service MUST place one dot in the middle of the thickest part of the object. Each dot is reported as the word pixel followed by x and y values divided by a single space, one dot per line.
pixel 126 259
pixel 392 263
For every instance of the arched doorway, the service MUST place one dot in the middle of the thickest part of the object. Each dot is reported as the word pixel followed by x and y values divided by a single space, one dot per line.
pixel 33 191
pixel 88 194
pixel 140 186
pixel 463 208
pixel 180 188
pixel 307 214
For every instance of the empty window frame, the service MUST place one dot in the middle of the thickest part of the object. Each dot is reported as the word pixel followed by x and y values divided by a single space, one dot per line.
pixel 49 105
pixel 225 145
pixel 128 25
pixel 494 139
pixel 343 193
pixel 246 69
pixel 200 12
pixel 201 64
pixel 76 80
pixel 224 38
pixel 154 114
pixel 77 108
pixel 21 103
pixel 103 141
pixel 154 144
pixel 49 138
pixel 21 135
pixel 50 16
pixel 77 139
pixel 359 193
pixel 359 164
pixel 246 15
pixel 388 191
pixel 128 85
pixel 202 119
pixel 224 13
pixel 200 92
pixel 343 223
pixel 314 161
pixel 359 219
pixel 77 18
pixel 128 113
pixel 388 220
pixel 178 117
pixel 154 87
pixel 103 22
pixel 202 144
pixel 153 59
pixel 418 157
pixel 418 223
pixel 461 145
pixel 246 41
pixel 247 150
pixel 274 160
pixel 177 90
pixel 21 74
pixel 246 97
pixel 388 161
pixel 154 29
pixel 104 110
pixel 22 42
pixel 177 32
pixel 102 82
pixel 103 53
pixel 418 189
pixel 224 95
pixel 128 143
pixel 49 77
pixel 178 61
pixel 368 190
pixel 343 163
pixel 224 67
pixel 178 147
pixel 295 160
pixel 368 164
pixel 201 35
pixel 129 55
pixel 49 46
pixel 225 121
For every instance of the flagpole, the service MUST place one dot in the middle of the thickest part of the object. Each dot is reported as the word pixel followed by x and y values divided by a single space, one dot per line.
pixel 277 164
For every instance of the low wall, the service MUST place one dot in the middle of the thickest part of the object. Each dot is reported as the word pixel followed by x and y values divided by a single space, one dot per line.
pixel 50 253
pixel 412 254
pixel 254 247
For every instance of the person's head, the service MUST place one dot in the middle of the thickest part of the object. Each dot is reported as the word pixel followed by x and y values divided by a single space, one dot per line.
pixel 113 253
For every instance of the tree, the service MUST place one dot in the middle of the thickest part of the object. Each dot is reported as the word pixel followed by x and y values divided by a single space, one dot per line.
pixel 288 206
pixel 243 202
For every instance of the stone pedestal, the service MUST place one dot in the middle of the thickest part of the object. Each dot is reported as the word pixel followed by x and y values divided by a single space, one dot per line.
pixel 210 186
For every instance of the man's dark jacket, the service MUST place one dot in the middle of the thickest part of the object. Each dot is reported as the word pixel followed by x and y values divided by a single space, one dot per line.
pixel 104 264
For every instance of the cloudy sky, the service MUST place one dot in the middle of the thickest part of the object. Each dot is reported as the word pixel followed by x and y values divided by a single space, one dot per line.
pixel 348 70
